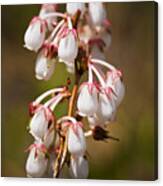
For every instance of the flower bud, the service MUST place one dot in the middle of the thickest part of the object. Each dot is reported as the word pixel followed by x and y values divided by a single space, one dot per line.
pixel 72 8
pixel 44 67
pixel 76 139
pixel 114 79
pixel 79 167
pixel 87 103
pixel 106 107
pixel 68 47
pixel 97 13
pixel 36 163
pixel 35 34
pixel 41 123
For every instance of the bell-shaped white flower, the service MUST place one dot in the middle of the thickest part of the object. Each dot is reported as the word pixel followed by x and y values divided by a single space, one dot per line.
pixel 44 67
pixel 106 107
pixel 87 102
pixel 120 91
pixel 114 79
pixel 35 34
pixel 72 8
pixel 79 167
pixel 76 139
pixel 40 123
pixel 36 164
pixel 68 47
pixel 45 9
pixel 97 13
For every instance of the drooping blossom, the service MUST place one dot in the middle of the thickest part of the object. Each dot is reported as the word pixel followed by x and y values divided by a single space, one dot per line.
pixel 76 139
pixel 87 103
pixel 44 67
pixel 68 46
pixel 41 122
pixel 114 79
pixel 35 34
pixel 106 107
pixel 79 167
pixel 36 163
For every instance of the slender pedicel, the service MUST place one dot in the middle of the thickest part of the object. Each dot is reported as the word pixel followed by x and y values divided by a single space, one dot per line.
pixel 47 93
pixel 58 35
pixel 88 133
pixel 70 26
pixel 59 98
pixel 66 118
pixel 90 74
pixel 100 78
pixel 56 29
pixel 52 101
pixel 103 63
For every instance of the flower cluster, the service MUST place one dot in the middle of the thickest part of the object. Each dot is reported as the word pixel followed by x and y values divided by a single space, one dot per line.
pixel 79 38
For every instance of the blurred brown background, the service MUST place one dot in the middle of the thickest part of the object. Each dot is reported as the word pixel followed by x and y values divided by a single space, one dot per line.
pixel 132 50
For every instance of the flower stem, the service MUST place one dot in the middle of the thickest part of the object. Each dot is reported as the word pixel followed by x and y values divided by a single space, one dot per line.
pixel 72 100
pixel 64 139
pixel 103 63
pixel 62 154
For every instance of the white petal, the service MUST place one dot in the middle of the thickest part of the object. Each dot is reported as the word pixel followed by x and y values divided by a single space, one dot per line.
pixel 44 68
pixel 68 48
pixel 34 38
pixel 87 102
pixel 97 13
pixel 72 8
pixel 120 91
pixel 39 124
pixel 79 167
pixel 36 167
pixel 106 107
pixel 49 137
pixel 119 88
pixel 76 141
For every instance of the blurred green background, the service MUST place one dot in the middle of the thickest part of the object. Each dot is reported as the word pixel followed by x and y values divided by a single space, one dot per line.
pixel 132 50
